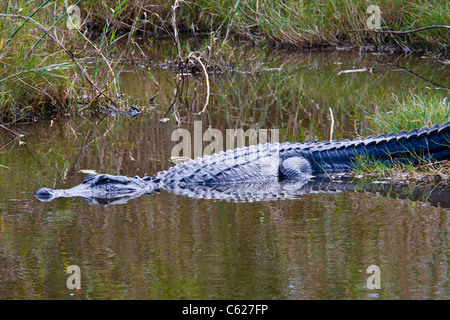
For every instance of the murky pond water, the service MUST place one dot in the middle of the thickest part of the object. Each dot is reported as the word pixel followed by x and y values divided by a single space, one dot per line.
pixel 164 246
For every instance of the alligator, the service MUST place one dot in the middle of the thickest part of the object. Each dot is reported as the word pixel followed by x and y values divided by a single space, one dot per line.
pixel 266 171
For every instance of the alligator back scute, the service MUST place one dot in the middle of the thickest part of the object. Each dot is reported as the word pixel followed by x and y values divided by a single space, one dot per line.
pixel 240 164
pixel 422 131
pixel 401 141
pixel 439 138
pixel 392 146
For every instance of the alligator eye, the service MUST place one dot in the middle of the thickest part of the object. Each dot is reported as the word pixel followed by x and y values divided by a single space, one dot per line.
pixel 102 179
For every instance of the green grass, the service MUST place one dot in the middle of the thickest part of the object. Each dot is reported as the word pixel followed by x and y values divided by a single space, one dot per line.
pixel 409 112
pixel 47 68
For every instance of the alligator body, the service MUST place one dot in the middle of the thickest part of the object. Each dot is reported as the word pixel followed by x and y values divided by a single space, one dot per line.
pixel 266 171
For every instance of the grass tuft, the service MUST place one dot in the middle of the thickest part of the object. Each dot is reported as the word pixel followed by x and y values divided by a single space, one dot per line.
pixel 409 112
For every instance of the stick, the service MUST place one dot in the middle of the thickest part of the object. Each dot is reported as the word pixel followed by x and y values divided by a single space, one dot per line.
pixel 332 125
pixel 207 81
pixel 414 74
pixel 411 31
pixel 174 25
pixel 15 134
pixel 371 70
pixel 402 32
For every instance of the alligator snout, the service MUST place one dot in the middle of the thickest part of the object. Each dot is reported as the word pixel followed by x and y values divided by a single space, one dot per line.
pixel 44 194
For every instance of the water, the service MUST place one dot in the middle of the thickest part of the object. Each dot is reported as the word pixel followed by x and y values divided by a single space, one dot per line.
pixel 163 246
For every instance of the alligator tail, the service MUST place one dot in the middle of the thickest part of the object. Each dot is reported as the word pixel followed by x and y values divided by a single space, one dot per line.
pixel 425 144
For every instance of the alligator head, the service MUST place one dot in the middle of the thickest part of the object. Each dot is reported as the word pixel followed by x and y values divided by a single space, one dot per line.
pixel 101 188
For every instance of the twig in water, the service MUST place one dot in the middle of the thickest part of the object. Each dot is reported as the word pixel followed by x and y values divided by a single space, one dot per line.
pixel 332 125
pixel 191 55
pixel 15 134
pixel 414 74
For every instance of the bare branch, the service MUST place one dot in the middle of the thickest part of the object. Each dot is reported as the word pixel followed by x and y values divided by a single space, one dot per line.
pixel 411 31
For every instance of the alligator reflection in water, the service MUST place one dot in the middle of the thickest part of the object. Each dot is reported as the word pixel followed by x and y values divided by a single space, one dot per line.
pixel 267 191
